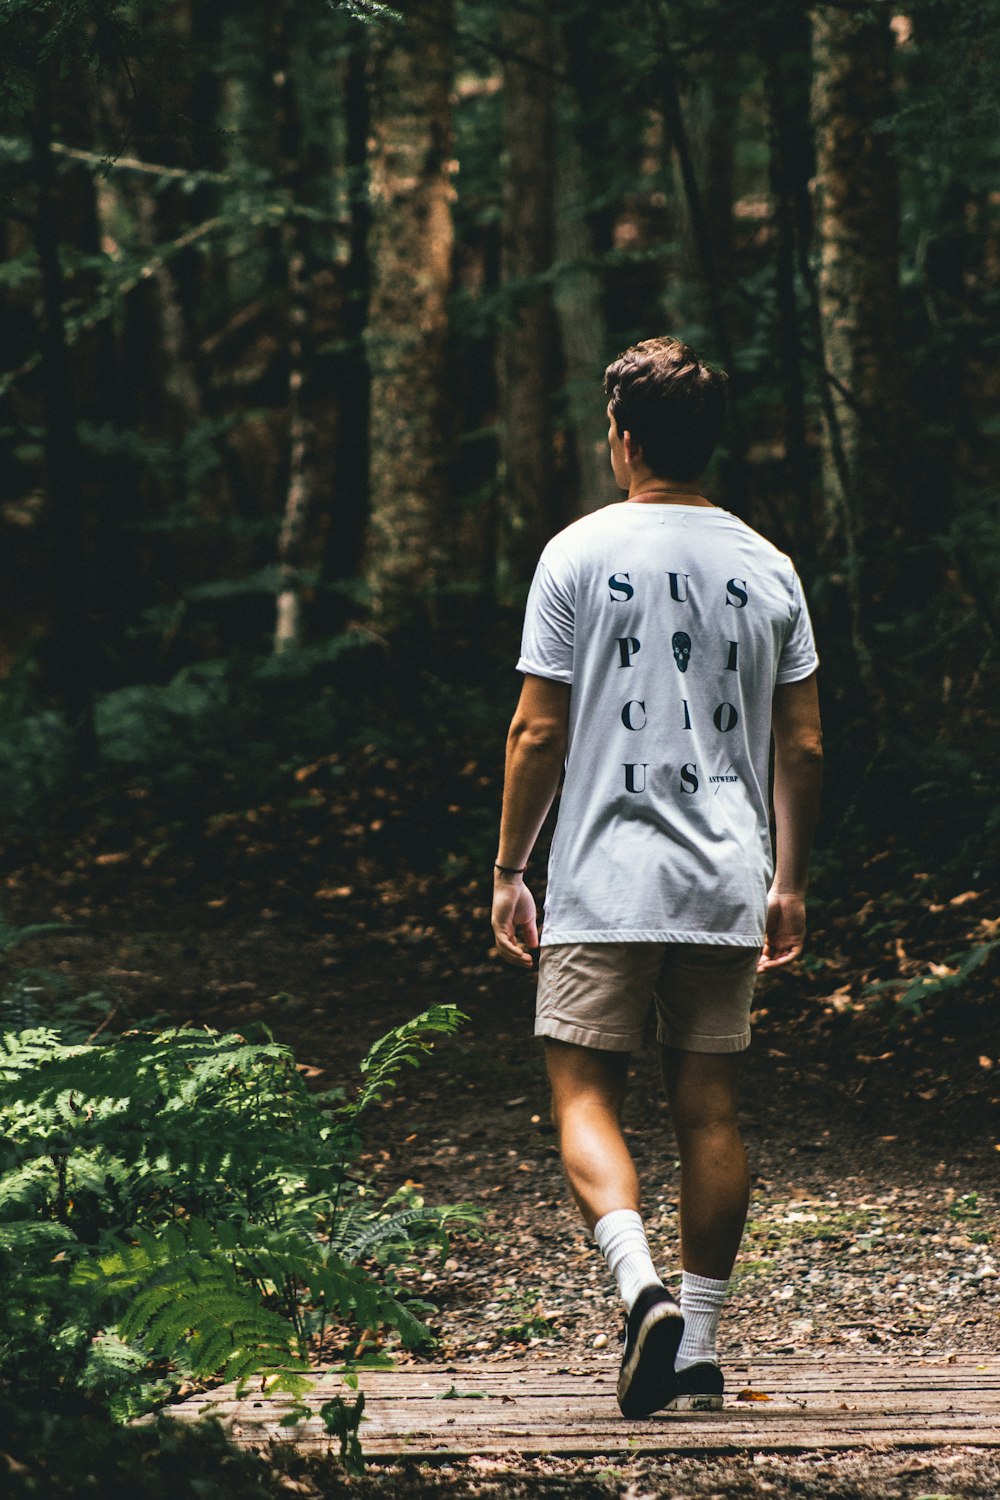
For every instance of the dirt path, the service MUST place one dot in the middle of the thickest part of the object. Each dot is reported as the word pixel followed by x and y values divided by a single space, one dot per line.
pixel 873 1153
pixel 874 1209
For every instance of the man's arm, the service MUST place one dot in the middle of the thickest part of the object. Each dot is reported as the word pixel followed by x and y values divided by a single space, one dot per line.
pixel 536 749
pixel 798 771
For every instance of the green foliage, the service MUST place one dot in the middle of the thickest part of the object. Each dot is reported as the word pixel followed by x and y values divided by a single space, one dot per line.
pixel 149 723
pixel 342 1419
pixel 97 31
pixel 177 1206
pixel 35 746
pixel 369 12
pixel 530 1323
pixel 928 989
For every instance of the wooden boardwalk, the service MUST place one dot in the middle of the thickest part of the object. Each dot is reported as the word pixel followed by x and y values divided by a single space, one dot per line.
pixel 448 1412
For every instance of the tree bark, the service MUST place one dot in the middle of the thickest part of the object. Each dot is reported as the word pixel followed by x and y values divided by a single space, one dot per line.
pixel 736 476
pixel 298 496
pixel 350 501
pixel 526 347
pixel 292 179
pixel 709 91
pixel 410 247
pixel 857 228
pixel 785 47
pixel 582 330
pixel 71 633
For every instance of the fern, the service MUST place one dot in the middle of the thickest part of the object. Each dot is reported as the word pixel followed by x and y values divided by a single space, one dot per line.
pixel 12 937
pixel 177 1205
pixel 405 1046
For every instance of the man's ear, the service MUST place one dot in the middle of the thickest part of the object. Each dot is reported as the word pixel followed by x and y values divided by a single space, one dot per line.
pixel 630 448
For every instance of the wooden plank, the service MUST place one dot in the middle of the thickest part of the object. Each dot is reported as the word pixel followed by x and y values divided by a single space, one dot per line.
pixel 536 1408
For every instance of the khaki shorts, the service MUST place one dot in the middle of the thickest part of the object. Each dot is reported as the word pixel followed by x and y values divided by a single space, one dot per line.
pixel 599 994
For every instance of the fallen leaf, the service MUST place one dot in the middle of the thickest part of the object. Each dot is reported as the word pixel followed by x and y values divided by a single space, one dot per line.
pixel 749 1395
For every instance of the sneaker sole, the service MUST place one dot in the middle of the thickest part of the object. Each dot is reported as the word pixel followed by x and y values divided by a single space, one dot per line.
pixel 695 1403
pixel 647 1383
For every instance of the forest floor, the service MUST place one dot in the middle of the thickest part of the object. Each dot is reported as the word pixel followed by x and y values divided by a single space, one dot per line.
pixel 871 1127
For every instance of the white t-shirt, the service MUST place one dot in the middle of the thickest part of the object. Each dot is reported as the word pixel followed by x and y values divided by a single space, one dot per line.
pixel 672 623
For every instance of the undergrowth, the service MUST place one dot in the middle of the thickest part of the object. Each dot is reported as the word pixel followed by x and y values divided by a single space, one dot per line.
pixel 176 1207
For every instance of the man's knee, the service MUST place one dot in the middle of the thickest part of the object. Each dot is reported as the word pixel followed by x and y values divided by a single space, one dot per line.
pixel 584 1078
pixel 702 1089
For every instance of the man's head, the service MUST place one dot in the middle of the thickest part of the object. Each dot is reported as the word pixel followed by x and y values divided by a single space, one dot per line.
pixel 672 405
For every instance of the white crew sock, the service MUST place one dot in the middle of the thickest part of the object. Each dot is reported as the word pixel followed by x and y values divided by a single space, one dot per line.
pixel 701 1304
pixel 622 1241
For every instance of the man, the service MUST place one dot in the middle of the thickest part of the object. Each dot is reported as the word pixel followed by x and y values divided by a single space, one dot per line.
pixel 664 642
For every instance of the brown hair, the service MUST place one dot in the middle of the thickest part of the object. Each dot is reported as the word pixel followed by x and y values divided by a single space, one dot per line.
pixel 673 405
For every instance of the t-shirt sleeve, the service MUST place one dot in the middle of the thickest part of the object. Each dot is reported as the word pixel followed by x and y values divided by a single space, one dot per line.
pixel 547 639
pixel 798 654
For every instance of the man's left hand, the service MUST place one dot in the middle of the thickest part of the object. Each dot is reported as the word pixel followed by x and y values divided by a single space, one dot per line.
pixel 515 921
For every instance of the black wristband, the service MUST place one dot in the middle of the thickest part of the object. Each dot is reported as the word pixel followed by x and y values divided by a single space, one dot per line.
pixel 509 870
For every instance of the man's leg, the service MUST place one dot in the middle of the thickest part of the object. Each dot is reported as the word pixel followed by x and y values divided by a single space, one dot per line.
pixel 588 1090
pixel 702 1094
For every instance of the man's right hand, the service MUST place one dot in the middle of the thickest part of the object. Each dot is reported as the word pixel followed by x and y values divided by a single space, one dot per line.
pixel 785 931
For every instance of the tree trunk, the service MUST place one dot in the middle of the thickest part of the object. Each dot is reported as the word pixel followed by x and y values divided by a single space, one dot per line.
pixel 71 635
pixel 582 331
pixel 410 245
pixel 526 347
pixel 710 100
pixel 349 512
pixel 857 228
pixel 735 473
pixel 292 178
pixel 785 48
pixel 298 497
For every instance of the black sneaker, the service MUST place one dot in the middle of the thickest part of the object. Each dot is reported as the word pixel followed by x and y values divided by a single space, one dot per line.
pixel 698 1388
pixel 653 1329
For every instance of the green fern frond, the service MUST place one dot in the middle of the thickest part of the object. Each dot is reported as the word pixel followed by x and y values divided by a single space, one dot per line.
pixel 12 937
pixel 202 1315
pixel 395 1229
pixel 21 1237
pixel 22 1184
pixel 404 1046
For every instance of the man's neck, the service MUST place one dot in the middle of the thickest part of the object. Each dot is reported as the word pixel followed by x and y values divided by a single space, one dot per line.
pixel 647 488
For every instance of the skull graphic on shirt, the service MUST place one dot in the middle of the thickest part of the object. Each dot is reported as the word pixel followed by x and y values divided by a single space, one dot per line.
pixel 681 643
